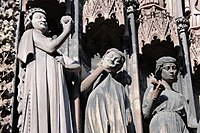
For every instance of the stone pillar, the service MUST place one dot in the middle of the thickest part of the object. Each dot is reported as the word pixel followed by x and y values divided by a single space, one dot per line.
pixel 134 93
pixel 74 53
pixel 182 26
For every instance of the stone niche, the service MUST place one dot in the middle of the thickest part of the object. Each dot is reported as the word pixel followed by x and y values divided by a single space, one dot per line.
pixel 103 28
pixel 98 26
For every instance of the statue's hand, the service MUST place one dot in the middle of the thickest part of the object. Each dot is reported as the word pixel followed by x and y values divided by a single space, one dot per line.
pixel 158 88
pixel 128 116
pixel 151 78
pixel 66 22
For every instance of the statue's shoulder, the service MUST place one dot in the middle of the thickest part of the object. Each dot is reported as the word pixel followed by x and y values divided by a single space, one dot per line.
pixel 28 31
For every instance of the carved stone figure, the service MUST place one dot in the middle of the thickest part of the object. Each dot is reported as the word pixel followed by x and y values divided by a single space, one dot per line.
pixel 167 109
pixel 44 104
pixel 107 106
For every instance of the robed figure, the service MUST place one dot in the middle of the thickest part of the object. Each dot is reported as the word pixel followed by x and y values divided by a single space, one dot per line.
pixel 107 109
pixel 44 105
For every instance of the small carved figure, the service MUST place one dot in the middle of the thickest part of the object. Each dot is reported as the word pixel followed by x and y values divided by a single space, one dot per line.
pixel 44 105
pixel 107 106
pixel 167 109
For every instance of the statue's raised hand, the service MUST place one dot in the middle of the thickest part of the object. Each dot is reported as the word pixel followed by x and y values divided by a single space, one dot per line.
pixel 66 22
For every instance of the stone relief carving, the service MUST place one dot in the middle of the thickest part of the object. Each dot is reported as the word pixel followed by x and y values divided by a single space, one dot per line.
pixel 108 9
pixel 166 109
pixel 195 48
pixel 182 24
pixel 9 14
pixel 103 25
pixel 107 108
pixel 195 31
pixel 155 22
pixel 44 104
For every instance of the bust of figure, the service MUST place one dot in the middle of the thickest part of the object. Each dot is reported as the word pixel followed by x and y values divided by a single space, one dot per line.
pixel 107 108
pixel 167 109
pixel 44 104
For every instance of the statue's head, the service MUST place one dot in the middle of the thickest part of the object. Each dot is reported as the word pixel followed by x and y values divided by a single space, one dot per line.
pixel 113 59
pixel 166 69
pixel 36 18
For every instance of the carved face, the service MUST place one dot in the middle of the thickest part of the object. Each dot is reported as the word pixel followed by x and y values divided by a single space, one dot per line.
pixel 112 60
pixel 169 72
pixel 39 21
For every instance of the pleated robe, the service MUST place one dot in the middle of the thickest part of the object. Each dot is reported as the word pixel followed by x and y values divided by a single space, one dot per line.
pixel 45 99
pixel 171 109
pixel 105 109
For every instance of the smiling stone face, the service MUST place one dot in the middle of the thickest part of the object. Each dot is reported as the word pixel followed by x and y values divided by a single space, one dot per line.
pixel 112 60
pixel 39 22
pixel 169 72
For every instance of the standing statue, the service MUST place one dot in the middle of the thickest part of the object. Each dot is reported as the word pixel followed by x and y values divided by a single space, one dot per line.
pixel 44 105
pixel 167 109
pixel 107 108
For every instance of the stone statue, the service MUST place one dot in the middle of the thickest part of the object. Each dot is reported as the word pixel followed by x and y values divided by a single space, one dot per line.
pixel 44 105
pixel 167 109
pixel 107 107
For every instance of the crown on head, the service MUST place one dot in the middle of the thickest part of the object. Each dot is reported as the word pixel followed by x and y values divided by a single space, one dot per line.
pixel 30 12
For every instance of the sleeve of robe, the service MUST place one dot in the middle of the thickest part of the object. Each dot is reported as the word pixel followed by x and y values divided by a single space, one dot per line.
pixel 26 47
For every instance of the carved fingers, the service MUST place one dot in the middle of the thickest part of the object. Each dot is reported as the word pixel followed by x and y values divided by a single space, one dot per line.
pixel 158 88
pixel 66 22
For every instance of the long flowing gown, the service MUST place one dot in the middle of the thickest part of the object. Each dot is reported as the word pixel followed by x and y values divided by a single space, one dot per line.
pixel 105 109
pixel 170 112
pixel 44 96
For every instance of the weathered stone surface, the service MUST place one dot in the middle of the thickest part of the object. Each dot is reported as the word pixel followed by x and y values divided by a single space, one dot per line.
pixel 9 16
pixel 146 32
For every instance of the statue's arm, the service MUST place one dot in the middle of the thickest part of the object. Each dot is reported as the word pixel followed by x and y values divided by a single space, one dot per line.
pixel 88 81
pixel 147 103
pixel 150 97
pixel 50 45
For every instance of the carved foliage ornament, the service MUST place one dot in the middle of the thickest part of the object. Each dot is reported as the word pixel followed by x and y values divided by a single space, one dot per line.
pixel 9 17
pixel 182 24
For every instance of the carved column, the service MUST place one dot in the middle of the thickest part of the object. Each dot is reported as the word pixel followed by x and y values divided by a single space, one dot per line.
pixel 182 27
pixel 195 49
pixel 74 53
pixel 134 94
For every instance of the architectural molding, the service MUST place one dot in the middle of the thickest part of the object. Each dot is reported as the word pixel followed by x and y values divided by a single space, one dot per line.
pixel 108 9
pixel 155 22
pixel 182 24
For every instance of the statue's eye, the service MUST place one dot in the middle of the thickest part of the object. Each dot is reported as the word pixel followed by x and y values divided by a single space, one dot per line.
pixel 170 67
pixel 174 68
pixel 166 67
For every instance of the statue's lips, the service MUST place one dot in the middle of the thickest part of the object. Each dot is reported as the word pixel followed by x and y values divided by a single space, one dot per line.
pixel 42 23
